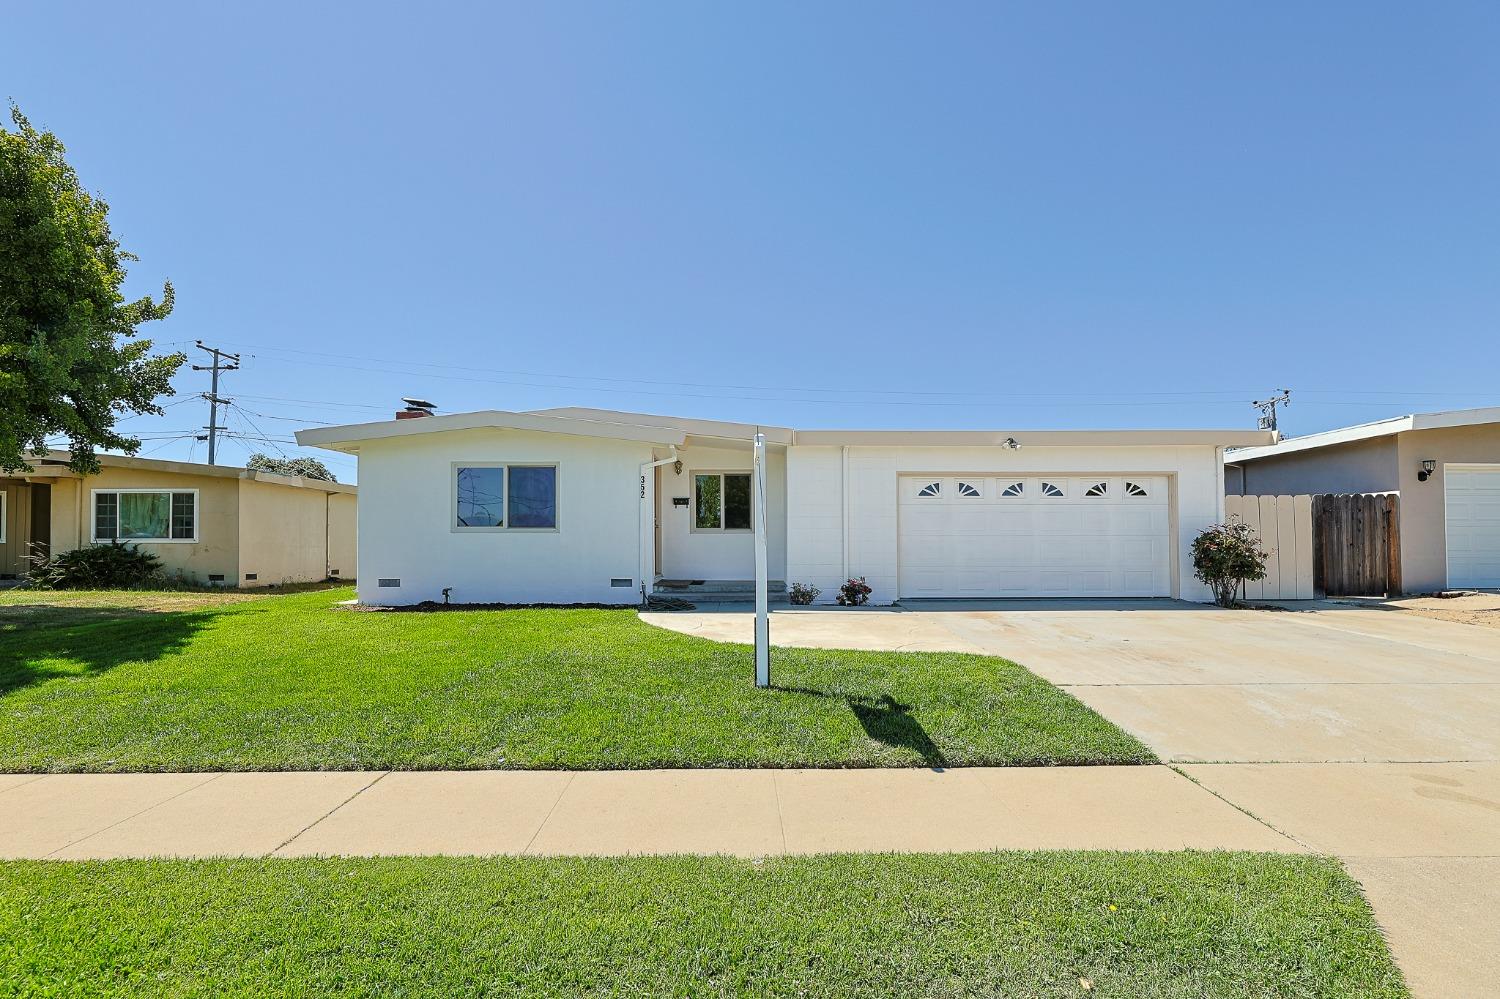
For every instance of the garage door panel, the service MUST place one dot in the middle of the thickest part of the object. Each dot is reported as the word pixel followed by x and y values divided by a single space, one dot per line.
pixel 1472 514
pixel 1115 542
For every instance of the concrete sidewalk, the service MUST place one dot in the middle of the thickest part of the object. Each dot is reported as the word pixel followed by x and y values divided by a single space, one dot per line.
pixel 741 812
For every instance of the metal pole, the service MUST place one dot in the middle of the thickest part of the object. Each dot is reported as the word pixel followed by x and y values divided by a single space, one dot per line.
pixel 213 409
pixel 213 393
pixel 762 598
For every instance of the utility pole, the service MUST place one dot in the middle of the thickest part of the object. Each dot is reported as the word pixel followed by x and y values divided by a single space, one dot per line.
pixel 220 364
pixel 1267 408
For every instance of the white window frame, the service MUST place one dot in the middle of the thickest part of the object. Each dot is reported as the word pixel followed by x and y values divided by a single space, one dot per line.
pixel 721 529
pixel 456 528
pixel 94 495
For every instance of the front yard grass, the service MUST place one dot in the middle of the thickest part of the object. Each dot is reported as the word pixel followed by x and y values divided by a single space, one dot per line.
pixel 191 681
pixel 1141 925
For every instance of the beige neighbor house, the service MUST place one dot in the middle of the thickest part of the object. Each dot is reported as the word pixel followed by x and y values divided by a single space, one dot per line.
pixel 1444 466
pixel 211 523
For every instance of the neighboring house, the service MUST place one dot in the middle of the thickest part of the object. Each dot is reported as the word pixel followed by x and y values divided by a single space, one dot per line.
pixel 213 523
pixel 583 505
pixel 1445 466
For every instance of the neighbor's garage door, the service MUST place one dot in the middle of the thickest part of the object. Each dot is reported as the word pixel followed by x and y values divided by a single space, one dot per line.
pixel 1473 525
pixel 1040 536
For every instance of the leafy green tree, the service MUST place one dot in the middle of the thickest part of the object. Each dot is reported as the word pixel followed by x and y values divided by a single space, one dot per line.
pixel 70 363
pixel 308 468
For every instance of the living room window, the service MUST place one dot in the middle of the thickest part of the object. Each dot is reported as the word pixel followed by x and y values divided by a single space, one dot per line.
pixel 721 501
pixel 504 497
pixel 147 515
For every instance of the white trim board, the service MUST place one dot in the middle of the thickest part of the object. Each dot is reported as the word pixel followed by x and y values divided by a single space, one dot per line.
pixel 1368 431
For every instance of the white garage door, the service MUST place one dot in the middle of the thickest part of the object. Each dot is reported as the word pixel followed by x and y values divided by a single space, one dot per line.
pixel 1473 525
pixel 1038 536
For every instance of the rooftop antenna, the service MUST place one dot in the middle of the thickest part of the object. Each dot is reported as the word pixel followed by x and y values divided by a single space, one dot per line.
pixel 1267 409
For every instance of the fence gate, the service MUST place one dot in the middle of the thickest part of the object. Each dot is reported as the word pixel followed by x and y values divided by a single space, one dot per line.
pixel 1358 540
pixel 1285 526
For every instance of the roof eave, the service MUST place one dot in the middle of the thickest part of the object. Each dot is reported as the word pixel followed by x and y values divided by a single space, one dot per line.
pixel 1034 438
pixel 347 438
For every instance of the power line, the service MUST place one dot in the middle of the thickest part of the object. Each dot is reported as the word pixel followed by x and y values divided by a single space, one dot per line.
pixel 241 413
pixel 703 385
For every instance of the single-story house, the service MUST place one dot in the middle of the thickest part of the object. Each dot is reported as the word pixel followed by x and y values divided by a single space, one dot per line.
pixel 212 523
pixel 585 505
pixel 1444 466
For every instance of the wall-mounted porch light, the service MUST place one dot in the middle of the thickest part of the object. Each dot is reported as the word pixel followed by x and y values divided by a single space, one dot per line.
pixel 1428 467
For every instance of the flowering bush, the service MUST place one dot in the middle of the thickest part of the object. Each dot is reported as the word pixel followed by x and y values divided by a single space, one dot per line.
pixel 1227 555
pixel 804 593
pixel 854 592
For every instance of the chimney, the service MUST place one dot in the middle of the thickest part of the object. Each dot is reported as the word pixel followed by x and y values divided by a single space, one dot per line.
pixel 415 409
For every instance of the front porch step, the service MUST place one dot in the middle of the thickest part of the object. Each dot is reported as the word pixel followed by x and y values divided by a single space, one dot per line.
pixel 698 587
pixel 714 592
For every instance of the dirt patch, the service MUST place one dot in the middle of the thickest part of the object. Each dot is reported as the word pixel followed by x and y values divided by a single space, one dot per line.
pixel 1482 609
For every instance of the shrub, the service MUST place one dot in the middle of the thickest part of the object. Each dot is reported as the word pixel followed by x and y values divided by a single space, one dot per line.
pixel 804 593
pixel 854 592
pixel 111 565
pixel 1227 555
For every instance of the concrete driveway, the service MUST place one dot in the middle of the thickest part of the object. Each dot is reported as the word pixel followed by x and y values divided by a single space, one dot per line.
pixel 1370 734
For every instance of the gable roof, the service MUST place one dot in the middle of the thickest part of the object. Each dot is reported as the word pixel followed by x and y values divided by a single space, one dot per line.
pixel 1369 431
pixel 678 431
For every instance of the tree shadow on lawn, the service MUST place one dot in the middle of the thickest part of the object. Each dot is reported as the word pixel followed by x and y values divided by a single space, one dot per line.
pixel 885 720
pixel 96 639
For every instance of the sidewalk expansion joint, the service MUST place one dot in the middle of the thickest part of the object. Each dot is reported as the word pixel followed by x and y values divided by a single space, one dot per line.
pixel 1242 810
pixel 545 818
pixel 282 845
pixel 143 811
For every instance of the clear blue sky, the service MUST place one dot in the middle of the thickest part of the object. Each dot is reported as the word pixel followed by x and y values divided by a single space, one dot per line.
pixel 978 215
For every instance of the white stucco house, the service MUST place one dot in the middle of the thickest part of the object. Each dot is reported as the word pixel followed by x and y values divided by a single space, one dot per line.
pixel 585 506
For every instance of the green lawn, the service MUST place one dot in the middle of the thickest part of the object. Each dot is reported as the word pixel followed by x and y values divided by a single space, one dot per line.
pixel 139 681
pixel 1011 924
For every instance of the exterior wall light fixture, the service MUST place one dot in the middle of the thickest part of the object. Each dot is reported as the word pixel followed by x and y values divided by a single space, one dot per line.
pixel 1428 467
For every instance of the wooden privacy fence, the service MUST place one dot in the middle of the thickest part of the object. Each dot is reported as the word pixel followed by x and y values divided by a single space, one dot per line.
pixel 1359 544
pixel 1285 526
pixel 1324 545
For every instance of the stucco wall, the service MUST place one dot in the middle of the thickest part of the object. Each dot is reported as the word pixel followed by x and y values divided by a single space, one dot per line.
pixel 215 553
pixel 406 521
pixel 815 487
pixel 285 532
pixel 814 526
pixel 690 554
pixel 343 535
pixel 1368 466
pixel 1424 541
